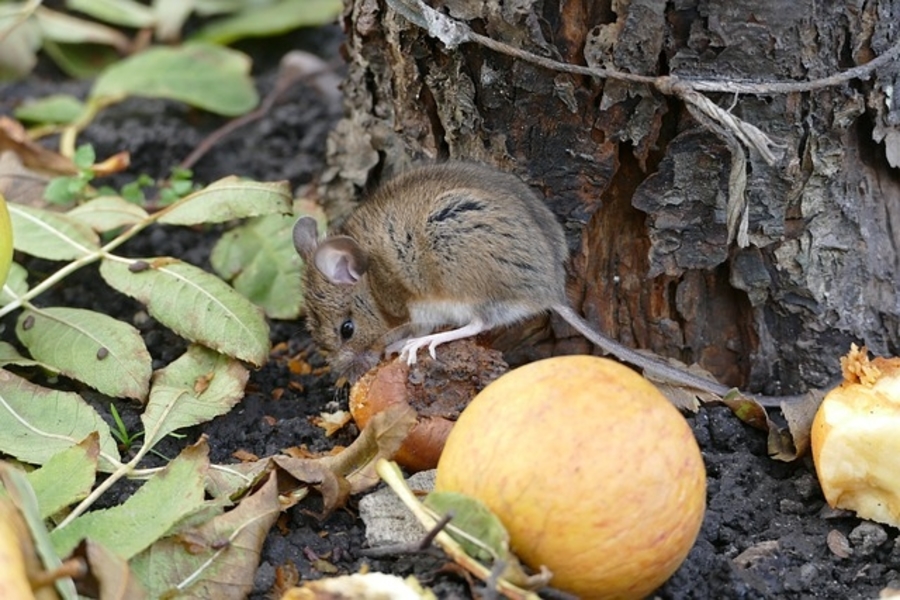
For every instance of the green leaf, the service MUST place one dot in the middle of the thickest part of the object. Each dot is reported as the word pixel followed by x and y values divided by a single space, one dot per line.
pixel 146 516
pixel 57 108
pixel 118 12
pixel 194 304
pixel 81 61
pixel 233 480
pixel 206 8
pixel 200 385
pixel 17 281
pixel 50 235
pixel 10 356
pixel 19 43
pixel 210 77
pixel 170 18
pixel 39 422
pixel 485 536
pixel 223 556
pixel 84 156
pixel 65 189
pixel 230 198
pixel 277 18
pixel 105 353
pixel 107 213
pixel 61 27
pixel 260 261
pixel 67 477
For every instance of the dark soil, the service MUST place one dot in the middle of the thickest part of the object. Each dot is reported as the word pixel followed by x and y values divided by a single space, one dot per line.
pixel 764 535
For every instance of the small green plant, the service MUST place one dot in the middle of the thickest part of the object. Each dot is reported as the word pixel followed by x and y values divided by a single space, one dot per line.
pixel 120 432
pixel 66 190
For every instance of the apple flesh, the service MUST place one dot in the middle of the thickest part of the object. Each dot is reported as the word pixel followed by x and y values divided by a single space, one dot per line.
pixel 856 439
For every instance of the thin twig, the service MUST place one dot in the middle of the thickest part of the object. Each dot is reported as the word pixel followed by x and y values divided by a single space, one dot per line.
pixel 422 545
pixel 282 85
pixel 453 33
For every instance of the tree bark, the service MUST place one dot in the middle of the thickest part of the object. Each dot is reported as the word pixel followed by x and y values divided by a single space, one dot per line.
pixel 642 186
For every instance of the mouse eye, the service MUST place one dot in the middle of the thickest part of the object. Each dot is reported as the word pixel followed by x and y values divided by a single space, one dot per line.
pixel 347 329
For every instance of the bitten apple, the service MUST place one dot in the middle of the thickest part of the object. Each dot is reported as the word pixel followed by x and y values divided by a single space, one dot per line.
pixel 594 473
pixel 437 390
pixel 856 439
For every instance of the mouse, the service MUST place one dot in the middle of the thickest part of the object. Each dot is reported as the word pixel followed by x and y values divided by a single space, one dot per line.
pixel 442 252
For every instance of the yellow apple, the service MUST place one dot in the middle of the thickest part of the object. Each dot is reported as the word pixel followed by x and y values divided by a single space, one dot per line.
pixel 6 245
pixel 594 473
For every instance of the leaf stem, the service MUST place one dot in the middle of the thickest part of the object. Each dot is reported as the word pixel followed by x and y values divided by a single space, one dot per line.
pixel 87 259
pixel 391 475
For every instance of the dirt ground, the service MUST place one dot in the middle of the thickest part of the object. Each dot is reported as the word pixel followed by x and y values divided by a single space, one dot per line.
pixel 765 530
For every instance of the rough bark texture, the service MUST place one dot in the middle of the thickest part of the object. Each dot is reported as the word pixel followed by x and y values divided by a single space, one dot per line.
pixel 642 187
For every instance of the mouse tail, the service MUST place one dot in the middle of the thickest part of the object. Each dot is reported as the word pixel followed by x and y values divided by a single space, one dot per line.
pixel 653 367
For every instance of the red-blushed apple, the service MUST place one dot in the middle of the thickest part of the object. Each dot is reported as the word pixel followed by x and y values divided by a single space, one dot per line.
pixel 594 473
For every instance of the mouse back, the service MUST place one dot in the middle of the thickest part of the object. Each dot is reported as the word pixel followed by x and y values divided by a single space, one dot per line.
pixel 463 232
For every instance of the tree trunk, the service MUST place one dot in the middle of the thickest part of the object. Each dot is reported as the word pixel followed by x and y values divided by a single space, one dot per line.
pixel 642 184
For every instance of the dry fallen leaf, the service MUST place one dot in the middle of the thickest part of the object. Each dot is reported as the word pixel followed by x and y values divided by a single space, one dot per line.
pixel 14 138
pixel 244 456
pixel 109 575
pixel 352 470
pixel 332 422
pixel 360 586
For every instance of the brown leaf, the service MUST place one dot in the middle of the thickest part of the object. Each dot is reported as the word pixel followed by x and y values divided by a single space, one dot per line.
pixel 331 422
pixel 244 455
pixel 748 410
pixel 353 470
pixel 380 438
pixel 116 163
pixel 19 182
pixel 335 488
pixel 323 566
pixel 799 415
pixel 109 577
pixel 14 138
pixel 682 396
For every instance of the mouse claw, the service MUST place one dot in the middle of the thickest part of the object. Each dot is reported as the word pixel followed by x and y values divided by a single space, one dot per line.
pixel 410 356
pixel 406 349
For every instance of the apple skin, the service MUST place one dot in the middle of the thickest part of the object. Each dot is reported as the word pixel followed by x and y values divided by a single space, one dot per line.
pixel 594 473
pixel 6 244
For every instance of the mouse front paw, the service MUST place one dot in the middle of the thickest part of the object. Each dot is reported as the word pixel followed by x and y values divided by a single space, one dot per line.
pixel 409 349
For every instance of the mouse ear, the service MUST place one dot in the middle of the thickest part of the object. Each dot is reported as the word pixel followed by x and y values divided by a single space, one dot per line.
pixel 306 236
pixel 341 259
